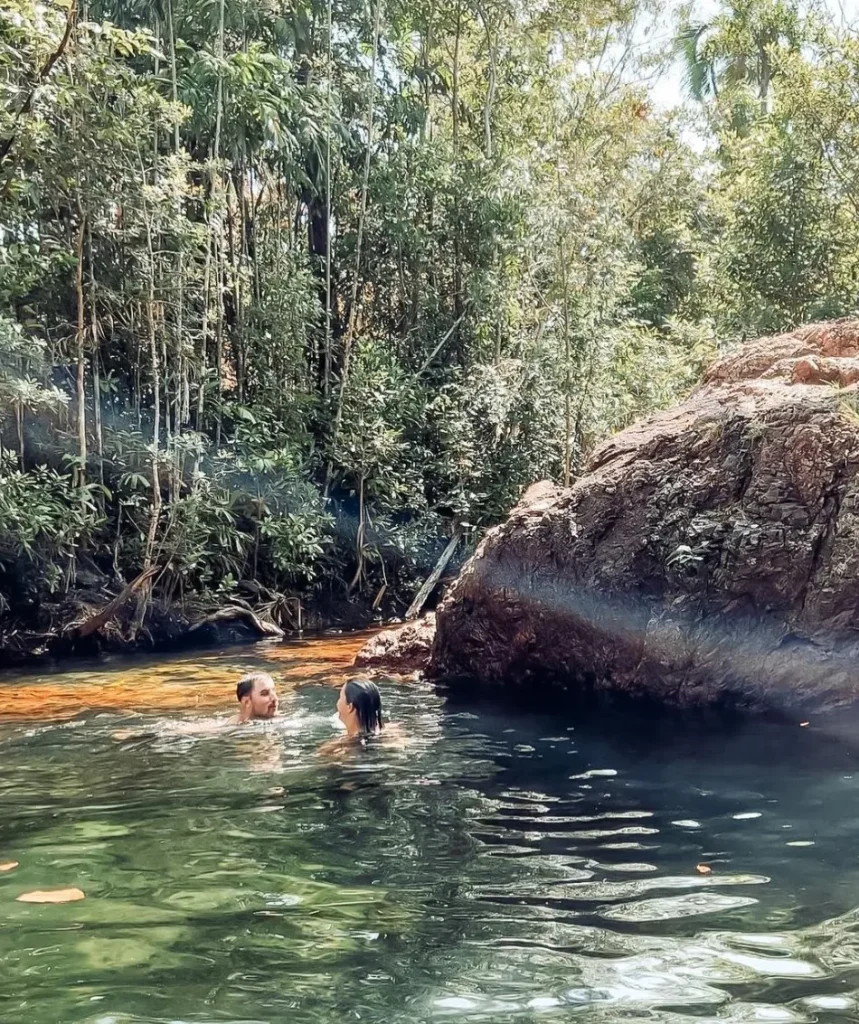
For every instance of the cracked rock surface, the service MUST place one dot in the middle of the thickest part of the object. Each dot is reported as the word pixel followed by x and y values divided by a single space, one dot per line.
pixel 400 649
pixel 710 555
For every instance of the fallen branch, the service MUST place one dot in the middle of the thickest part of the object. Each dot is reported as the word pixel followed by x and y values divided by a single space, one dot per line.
pixel 235 612
pixel 96 623
pixel 428 587
pixel 440 345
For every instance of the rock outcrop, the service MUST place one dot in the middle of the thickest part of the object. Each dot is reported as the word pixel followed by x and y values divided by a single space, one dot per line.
pixel 404 648
pixel 710 554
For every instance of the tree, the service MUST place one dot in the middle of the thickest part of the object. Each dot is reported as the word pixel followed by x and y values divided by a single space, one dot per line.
pixel 301 300
pixel 734 57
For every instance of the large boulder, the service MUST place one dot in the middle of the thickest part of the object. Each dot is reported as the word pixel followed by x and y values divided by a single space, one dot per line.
pixel 710 554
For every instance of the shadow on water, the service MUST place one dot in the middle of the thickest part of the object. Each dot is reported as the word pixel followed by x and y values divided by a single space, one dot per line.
pixel 507 865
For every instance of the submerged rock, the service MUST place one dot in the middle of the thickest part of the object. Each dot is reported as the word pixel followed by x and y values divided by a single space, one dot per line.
pixel 401 649
pixel 710 554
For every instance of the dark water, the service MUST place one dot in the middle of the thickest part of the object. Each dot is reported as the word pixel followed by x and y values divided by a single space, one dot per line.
pixel 503 867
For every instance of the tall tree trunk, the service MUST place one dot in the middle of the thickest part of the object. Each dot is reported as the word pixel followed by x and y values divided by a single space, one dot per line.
pixel 326 365
pixel 765 79
pixel 155 511
pixel 96 374
pixel 181 410
pixel 490 90
pixel 219 322
pixel 203 357
pixel 220 284
pixel 457 239
pixel 174 77
pixel 568 418
pixel 487 149
pixel 365 183
pixel 238 276
pixel 362 214
pixel 19 426
pixel 80 339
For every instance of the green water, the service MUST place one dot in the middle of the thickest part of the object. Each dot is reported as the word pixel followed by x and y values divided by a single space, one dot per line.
pixel 504 867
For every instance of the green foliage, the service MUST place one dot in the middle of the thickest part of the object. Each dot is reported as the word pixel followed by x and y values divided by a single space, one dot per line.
pixel 43 518
pixel 523 256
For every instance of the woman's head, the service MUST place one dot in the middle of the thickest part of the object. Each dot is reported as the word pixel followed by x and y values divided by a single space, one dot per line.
pixel 360 707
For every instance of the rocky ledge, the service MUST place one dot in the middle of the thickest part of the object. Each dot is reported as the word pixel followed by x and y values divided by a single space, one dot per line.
pixel 709 556
pixel 403 649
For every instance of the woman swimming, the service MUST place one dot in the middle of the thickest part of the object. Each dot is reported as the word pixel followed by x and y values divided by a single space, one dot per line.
pixel 359 707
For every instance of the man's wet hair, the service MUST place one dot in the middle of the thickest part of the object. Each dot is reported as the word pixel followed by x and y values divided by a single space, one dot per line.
pixel 246 684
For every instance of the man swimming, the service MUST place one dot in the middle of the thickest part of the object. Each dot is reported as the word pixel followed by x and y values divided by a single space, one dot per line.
pixel 257 696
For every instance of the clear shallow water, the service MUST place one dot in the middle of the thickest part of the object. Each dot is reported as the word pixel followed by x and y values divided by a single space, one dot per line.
pixel 502 867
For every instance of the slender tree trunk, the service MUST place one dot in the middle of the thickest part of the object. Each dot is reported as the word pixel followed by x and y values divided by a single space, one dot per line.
pixel 80 338
pixel 138 369
pixel 174 77
pixel 326 367
pixel 164 367
pixel 490 91
pixel 353 305
pixel 455 93
pixel 96 374
pixel 220 283
pixel 19 425
pixel 766 76
pixel 204 338
pixel 362 215
pixel 457 240
pixel 181 410
pixel 96 405
pixel 568 418
pixel 487 149
pixel 359 540
pixel 155 512
pixel 426 50
pixel 219 322
pixel 238 278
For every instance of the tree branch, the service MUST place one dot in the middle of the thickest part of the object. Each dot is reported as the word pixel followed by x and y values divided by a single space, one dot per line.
pixel 7 144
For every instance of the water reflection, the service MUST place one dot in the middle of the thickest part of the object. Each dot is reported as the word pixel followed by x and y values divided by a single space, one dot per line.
pixel 503 867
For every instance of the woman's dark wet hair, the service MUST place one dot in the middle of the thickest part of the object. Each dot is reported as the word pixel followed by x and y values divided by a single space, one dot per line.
pixel 365 698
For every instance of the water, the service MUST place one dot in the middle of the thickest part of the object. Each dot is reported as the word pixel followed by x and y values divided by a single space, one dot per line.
pixel 503 867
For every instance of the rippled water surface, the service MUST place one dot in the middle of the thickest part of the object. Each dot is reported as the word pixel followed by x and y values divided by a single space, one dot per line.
pixel 503 866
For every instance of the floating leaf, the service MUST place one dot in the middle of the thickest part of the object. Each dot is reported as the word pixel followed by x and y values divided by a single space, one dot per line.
pixel 52 896
pixel 10 865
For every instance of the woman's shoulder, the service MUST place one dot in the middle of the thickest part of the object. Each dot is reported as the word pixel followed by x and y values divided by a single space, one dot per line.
pixel 392 736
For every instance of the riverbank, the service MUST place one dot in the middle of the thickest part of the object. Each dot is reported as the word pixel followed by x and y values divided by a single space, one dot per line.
pixel 85 624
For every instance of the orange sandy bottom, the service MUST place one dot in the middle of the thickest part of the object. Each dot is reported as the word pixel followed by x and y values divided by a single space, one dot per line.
pixel 202 681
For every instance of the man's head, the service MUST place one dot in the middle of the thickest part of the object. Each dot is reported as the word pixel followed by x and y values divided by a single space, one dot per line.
pixel 257 695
